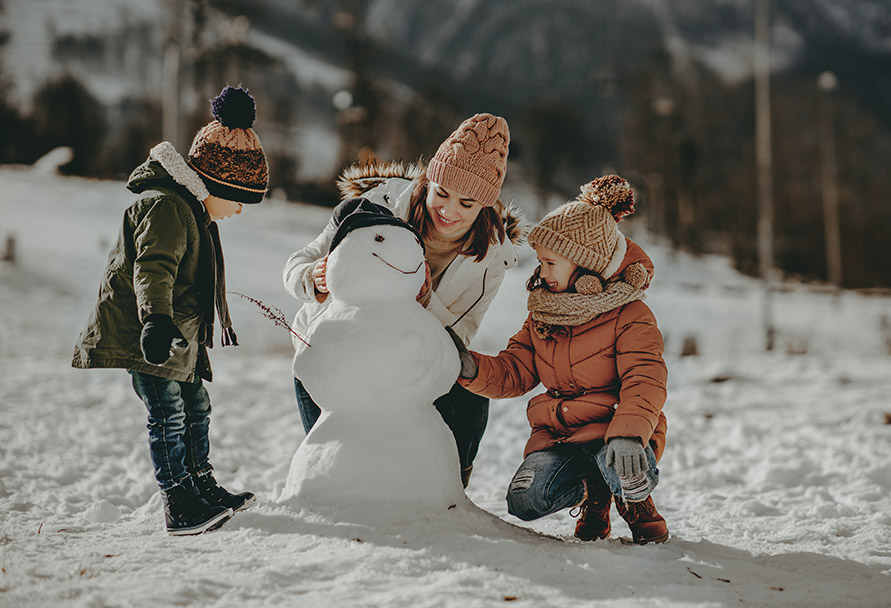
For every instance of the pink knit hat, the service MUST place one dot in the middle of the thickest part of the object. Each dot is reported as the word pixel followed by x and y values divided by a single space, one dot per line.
pixel 473 159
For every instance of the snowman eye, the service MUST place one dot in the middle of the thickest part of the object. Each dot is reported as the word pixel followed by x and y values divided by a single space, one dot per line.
pixel 378 238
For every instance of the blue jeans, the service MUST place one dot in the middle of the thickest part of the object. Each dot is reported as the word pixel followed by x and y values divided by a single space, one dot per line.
pixel 551 480
pixel 465 414
pixel 178 419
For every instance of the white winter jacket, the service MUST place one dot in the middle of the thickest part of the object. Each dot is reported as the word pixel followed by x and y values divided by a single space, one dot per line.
pixel 460 300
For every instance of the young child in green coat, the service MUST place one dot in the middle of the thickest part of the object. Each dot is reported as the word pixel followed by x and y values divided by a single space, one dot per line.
pixel 164 283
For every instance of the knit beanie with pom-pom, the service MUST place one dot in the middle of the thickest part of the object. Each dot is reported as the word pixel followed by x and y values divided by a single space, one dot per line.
pixel 226 152
pixel 473 159
pixel 585 230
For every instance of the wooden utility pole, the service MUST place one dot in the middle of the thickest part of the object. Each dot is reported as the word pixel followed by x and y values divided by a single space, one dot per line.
pixel 829 174
pixel 170 100
pixel 764 162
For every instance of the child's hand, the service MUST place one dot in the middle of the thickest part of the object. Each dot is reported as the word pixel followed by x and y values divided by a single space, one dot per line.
pixel 469 369
pixel 159 336
pixel 626 456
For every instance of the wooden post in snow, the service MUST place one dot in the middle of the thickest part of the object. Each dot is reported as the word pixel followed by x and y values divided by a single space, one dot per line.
pixel 829 178
pixel 170 100
pixel 764 163
pixel 9 252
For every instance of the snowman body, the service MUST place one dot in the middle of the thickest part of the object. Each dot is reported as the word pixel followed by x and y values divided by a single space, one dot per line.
pixel 376 363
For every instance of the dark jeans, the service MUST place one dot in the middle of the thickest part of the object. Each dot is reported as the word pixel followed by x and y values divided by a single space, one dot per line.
pixel 465 414
pixel 178 419
pixel 551 480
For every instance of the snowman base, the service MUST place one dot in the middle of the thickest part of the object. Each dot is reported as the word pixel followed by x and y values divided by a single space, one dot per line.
pixel 349 465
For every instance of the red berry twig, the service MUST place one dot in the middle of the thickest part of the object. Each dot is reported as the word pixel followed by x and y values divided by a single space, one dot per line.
pixel 275 314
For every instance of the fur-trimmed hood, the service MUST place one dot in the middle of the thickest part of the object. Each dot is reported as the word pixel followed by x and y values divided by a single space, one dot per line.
pixel 357 180
pixel 165 162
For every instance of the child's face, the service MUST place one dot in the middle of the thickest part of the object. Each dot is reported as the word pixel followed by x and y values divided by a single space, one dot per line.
pixel 557 271
pixel 221 208
pixel 452 213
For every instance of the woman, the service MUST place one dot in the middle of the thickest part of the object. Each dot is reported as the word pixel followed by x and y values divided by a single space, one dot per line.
pixel 469 238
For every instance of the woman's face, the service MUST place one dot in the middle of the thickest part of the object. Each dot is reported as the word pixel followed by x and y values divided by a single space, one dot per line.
pixel 452 213
pixel 557 271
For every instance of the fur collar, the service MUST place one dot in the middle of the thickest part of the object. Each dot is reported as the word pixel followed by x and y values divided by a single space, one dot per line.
pixel 359 179
pixel 179 170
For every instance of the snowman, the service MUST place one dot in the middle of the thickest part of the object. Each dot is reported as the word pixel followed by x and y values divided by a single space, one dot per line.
pixel 375 362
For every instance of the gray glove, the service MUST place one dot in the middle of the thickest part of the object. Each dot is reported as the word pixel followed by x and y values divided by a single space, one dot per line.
pixel 626 456
pixel 469 370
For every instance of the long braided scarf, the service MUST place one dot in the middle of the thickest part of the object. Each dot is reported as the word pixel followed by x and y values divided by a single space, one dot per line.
pixel 213 277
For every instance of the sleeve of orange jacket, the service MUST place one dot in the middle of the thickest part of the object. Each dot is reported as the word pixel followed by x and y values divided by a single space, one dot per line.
pixel 510 373
pixel 642 374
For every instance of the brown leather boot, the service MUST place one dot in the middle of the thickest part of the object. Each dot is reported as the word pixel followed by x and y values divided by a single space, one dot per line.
pixel 647 526
pixel 593 523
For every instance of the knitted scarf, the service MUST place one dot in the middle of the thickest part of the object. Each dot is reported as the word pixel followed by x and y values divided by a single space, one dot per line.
pixel 212 270
pixel 551 311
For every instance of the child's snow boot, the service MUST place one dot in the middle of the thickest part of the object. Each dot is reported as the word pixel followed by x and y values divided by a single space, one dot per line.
pixel 185 512
pixel 593 523
pixel 219 496
pixel 647 526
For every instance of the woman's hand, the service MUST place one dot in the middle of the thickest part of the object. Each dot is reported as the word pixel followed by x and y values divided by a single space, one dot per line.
pixel 318 279
pixel 424 295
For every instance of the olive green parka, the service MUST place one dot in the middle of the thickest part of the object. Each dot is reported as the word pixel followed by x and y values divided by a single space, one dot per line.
pixel 153 269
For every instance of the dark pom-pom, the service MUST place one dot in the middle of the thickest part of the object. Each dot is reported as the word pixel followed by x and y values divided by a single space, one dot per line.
pixel 611 192
pixel 234 108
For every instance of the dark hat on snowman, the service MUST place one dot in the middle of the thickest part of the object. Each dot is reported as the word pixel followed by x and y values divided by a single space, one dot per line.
pixel 362 213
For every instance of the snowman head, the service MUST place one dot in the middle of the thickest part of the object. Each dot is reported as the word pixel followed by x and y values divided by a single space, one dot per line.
pixel 373 256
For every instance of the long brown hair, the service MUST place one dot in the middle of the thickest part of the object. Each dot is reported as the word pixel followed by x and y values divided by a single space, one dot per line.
pixel 487 229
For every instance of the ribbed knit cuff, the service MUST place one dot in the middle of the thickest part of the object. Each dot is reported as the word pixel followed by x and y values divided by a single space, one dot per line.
pixel 575 253
pixel 465 182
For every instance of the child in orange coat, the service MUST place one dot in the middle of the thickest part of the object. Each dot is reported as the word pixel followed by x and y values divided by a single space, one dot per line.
pixel 598 431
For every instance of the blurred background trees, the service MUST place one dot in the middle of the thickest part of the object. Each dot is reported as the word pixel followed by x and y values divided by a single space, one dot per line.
pixel 661 93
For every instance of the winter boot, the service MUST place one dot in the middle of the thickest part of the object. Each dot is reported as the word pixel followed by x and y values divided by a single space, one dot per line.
pixel 593 523
pixel 465 475
pixel 185 512
pixel 647 526
pixel 218 496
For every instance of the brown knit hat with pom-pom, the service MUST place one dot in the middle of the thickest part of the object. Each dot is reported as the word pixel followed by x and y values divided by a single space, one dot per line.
pixel 473 159
pixel 226 152
pixel 585 230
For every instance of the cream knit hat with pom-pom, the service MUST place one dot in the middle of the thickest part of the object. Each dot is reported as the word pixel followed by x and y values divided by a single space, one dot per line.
pixel 585 230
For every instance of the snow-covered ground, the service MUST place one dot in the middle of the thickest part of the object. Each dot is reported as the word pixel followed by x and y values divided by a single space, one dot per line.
pixel 776 482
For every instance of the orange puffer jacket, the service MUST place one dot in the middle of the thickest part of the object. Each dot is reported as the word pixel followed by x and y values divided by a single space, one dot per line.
pixel 605 378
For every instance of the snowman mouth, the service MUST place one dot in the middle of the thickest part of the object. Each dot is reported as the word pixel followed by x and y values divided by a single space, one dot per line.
pixel 396 268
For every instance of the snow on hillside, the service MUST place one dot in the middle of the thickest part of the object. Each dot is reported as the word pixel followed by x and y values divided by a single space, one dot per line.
pixel 775 480
pixel 28 56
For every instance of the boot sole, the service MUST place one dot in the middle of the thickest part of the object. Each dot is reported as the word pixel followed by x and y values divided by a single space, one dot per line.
pixel 246 504
pixel 587 537
pixel 211 524
pixel 644 541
